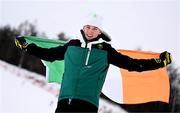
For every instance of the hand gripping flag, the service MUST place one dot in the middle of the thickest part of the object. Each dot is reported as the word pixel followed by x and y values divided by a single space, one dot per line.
pixel 120 85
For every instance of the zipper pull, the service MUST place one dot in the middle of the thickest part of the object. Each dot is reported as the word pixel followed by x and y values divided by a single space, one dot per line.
pixel 69 102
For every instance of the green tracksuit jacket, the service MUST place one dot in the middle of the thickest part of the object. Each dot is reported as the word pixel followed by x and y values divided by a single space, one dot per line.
pixel 86 66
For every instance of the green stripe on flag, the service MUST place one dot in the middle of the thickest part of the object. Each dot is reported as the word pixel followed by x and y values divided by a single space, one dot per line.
pixel 54 70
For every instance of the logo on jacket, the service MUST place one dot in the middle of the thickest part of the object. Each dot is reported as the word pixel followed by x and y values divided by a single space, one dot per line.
pixel 100 46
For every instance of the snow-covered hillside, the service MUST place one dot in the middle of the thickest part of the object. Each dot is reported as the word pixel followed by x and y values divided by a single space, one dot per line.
pixel 22 91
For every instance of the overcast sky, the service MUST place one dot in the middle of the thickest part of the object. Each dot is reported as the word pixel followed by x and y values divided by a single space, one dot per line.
pixel 153 25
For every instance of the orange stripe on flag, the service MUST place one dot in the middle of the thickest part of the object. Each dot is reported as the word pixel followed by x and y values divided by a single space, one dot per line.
pixel 141 87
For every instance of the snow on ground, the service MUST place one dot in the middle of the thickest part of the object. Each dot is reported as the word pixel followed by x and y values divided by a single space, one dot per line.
pixel 21 95
pixel 22 91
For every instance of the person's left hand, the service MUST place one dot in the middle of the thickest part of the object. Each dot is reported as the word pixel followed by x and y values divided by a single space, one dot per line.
pixel 166 58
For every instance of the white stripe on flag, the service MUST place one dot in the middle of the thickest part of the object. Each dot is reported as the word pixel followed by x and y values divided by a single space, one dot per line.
pixel 113 85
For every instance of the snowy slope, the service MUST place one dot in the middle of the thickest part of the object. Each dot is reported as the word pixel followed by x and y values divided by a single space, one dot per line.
pixel 22 91
pixel 23 95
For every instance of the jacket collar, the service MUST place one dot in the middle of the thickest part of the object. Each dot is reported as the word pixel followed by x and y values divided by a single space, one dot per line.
pixel 88 44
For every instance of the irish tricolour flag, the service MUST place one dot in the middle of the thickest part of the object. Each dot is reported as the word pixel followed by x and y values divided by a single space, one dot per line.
pixel 120 85
pixel 127 87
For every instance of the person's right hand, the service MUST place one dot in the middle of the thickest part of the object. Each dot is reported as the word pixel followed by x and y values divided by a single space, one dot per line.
pixel 21 42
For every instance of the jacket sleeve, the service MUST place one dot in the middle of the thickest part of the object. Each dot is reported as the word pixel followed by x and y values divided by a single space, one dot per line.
pixel 48 54
pixel 132 64
pixel 51 54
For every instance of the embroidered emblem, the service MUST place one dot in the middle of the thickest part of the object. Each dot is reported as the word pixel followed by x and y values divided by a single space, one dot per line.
pixel 157 60
pixel 100 46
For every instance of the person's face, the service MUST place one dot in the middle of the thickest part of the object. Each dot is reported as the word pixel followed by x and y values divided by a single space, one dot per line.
pixel 91 32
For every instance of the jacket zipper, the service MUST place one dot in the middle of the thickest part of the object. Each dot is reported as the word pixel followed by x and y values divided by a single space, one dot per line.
pixel 87 57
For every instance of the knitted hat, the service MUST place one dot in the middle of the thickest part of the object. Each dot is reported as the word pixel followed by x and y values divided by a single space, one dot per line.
pixel 94 20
